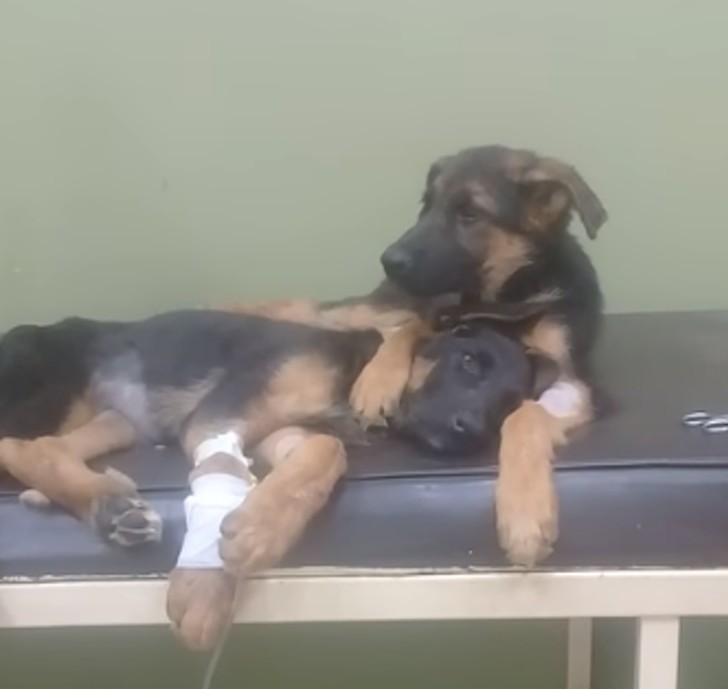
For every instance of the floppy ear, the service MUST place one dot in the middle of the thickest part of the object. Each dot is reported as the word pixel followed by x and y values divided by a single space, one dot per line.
pixel 544 373
pixel 555 186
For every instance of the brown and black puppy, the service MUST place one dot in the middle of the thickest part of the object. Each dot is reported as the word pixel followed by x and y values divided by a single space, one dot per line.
pixel 279 389
pixel 493 230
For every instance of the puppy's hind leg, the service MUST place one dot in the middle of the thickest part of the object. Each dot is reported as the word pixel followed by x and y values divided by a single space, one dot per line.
pixel 55 466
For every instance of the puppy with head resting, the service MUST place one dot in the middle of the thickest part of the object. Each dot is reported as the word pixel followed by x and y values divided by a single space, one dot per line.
pixel 231 389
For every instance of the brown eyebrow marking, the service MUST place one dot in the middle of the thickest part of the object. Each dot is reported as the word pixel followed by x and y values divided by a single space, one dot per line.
pixel 480 197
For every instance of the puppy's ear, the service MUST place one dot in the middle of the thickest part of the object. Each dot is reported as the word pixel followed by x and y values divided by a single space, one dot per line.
pixel 544 373
pixel 553 187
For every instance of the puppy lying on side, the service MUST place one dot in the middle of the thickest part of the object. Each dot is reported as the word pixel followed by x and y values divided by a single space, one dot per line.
pixel 232 389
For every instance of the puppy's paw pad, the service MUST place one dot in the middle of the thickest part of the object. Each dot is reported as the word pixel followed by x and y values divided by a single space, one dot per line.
pixel 527 530
pixel 375 396
pixel 526 542
pixel 127 521
pixel 200 605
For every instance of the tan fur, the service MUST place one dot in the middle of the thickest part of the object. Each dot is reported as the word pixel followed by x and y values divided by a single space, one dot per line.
pixel 379 387
pixel 547 207
pixel 80 413
pixel 303 386
pixel 56 466
pixel 506 253
pixel 200 605
pixel 359 316
pixel 301 311
pixel 551 338
pixel 483 199
pixel 172 406
pixel 255 536
pixel 365 317
pixel 526 503
pixel 421 369
pixel 262 530
pixel 377 391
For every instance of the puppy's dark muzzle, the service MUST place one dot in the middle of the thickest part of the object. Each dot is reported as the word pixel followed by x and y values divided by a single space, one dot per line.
pixel 427 263
pixel 457 435
pixel 398 263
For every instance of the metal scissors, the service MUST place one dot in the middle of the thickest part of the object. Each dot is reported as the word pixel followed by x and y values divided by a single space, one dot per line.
pixel 706 421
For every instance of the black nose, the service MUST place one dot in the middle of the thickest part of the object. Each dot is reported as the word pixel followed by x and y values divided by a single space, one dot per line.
pixel 396 262
pixel 465 424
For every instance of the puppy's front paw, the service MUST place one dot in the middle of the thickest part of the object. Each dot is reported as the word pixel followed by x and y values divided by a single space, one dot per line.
pixel 260 532
pixel 376 393
pixel 527 518
pixel 200 605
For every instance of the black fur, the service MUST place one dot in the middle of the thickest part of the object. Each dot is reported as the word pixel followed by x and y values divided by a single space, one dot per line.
pixel 442 257
pixel 43 369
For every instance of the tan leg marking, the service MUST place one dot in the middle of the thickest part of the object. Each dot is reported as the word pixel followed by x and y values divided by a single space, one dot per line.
pixel 551 338
pixel 201 605
pixel 526 500
pixel 306 467
pixel 264 528
pixel 56 465
pixel 376 393
pixel 291 310
pixel 54 468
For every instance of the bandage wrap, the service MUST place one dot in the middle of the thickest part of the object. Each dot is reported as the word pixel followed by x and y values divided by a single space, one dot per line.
pixel 212 497
pixel 563 399
pixel 225 443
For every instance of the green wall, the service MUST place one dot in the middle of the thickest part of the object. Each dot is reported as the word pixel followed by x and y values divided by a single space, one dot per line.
pixel 158 153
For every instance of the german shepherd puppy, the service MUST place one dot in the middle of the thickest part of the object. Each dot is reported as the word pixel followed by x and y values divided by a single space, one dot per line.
pixel 493 231
pixel 281 387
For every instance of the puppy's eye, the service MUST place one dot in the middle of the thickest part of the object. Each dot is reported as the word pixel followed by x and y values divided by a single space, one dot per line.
pixel 470 364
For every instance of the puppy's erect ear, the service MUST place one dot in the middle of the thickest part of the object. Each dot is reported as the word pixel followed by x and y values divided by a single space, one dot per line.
pixel 544 373
pixel 554 187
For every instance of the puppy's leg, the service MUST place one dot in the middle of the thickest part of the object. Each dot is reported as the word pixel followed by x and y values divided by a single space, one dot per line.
pixel 526 501
pixel 201 595
pixel 293 310
pixel 55 466
pixel 306 468
pixel 262 522
pixel 376 393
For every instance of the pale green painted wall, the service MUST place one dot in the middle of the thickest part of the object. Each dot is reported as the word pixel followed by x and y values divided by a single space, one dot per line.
pixel 158 153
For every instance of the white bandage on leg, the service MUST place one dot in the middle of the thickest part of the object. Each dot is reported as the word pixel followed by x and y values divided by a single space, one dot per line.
pixel 563 399
pixel 224 443
pixel 212 497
